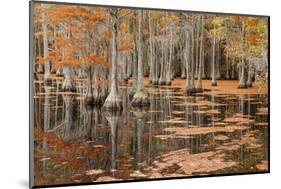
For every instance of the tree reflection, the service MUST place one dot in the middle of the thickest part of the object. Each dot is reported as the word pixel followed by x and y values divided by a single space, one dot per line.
pixel 68 116
pixel 112 118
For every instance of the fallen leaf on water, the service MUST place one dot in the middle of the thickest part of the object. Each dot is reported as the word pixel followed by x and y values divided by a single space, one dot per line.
pixel 106 178
pixel 44 159
pixel 203 130
pixel 137 173
pixel 262 124
pixel 263 165
pixel 94 172
pixel 221 137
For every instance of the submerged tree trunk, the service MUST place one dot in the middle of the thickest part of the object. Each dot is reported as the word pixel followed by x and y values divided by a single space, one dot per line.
pixel 214 79
pixel 113 101
pixel 140 98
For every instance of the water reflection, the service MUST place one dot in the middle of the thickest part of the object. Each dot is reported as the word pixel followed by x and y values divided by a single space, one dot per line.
pixel 77 143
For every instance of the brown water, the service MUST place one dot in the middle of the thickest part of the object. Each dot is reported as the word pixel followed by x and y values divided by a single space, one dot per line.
pixel 176 136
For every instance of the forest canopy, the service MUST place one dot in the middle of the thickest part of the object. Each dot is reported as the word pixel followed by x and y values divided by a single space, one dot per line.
pixel 111 45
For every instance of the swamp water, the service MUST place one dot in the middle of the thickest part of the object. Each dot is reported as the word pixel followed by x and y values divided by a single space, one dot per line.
pixel 176 136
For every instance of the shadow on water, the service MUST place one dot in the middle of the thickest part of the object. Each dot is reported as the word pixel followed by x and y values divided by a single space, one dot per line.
pixel 77 143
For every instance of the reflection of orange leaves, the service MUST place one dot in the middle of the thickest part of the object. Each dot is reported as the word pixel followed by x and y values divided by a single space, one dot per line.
pixel 63 152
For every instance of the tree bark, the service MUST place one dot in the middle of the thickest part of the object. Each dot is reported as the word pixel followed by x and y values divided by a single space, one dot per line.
pixel 47 75
pixel 242 81
pixel 154 79
pixel 189 88
pixel 249 80
pixel 169 67
pixel 214 81
pixel 68 82
pixel 201 59
pixel 140 98
pixel 113 101
pixel 218 74
pixel 89 93
pixel 135 68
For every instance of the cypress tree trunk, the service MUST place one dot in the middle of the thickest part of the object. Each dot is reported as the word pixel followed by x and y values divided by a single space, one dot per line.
pixel 68 81
pixel 214 81
pixel 135 69
pixel 227 67
pixel 154 80
pixel 162 66
pixel 218 74
pixel 89 93
pixel 40 67
pixel 203 74
pixel 47 68
pixel 113 101
pixel 140 98
pixel 197 47
pixel 192 61
pixel 201 59
pixel 249 80
pixel 232 71
pixel 242 81
pixel 169 66
pixel 183 64
pixel 189 88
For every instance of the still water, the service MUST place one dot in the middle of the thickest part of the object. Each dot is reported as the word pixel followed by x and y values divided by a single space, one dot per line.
pixel 176 136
